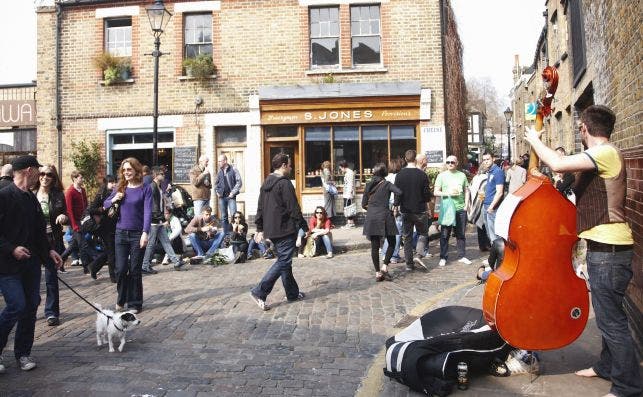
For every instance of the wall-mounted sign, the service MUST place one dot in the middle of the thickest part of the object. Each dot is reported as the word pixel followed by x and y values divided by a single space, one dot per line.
pixel 183 161
pixel 17 113
pixel 339 115
pixel 434 156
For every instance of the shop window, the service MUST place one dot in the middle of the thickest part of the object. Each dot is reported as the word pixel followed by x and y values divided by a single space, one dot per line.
pixel 374 147
pixel 402 139
pixel 345 147
pixel 324 37
pixel 18 141
pixel 231 135
pixel 197 35
pixel 118 37
pixel 281 131
pixel 365 34
pixel 317 151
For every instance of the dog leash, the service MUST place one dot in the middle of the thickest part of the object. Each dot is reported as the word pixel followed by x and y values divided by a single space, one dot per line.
pixel 88 302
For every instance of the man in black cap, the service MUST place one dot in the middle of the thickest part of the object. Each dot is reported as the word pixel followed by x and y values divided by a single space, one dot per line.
pixel 6 176
pixel 23 248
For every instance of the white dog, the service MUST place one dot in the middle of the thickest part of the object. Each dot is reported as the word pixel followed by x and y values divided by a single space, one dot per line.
pixel 110 325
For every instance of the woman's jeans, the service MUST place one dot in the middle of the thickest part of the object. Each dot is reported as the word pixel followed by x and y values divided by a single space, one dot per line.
pixel 398 239
pixel 284 248
pixel 129 260
pixel 52 302
pixel 21 294
pixel 609 276
pixel 328 244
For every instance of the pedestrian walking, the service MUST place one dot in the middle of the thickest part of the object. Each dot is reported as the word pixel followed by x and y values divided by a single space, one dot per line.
pixel 380 223
pixel 394 166
pixel 228 184
pixel 474 209
pixel 348 194
pixel 134 200
pixel 279 217
pixel 49 192
pixel 414 184
pixel 23 247
pixel 494 190
pixel 330 190
pixel 202 183
pixel 452 186
pixel 106 230
pixel 76 201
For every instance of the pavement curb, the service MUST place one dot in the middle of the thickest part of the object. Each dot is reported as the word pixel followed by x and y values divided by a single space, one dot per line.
pixel 372 383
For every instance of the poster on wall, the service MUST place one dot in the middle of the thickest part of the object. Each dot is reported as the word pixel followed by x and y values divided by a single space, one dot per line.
pixel 184 158
pixel 434 156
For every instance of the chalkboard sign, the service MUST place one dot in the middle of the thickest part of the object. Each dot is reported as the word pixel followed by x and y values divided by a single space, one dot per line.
pixel 184 160
pixel 434 156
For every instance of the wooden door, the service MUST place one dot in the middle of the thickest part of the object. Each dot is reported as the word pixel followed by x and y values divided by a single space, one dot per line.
pixel 236 158
pixel 291 148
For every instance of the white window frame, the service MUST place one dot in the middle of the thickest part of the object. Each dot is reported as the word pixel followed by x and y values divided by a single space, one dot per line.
pixel 370 34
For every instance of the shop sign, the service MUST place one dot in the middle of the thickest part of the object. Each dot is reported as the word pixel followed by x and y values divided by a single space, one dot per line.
pixel 17 113
pixel 340 115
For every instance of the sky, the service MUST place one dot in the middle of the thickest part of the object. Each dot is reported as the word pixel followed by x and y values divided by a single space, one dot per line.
pixel 492 31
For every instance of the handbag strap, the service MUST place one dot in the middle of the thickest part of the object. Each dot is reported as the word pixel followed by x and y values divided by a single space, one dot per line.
pixel 373 190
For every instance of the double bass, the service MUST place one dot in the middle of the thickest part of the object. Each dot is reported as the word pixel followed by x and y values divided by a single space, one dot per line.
pixel 534 299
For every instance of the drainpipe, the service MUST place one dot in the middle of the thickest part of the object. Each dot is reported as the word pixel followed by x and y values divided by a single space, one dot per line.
pixel 59 124
pixel 444 75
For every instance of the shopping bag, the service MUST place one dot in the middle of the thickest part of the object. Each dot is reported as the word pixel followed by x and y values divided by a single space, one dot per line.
pixel 350 210
pixel 447 212
pixel 310 248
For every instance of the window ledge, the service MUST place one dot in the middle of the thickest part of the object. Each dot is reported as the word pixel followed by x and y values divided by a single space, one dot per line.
pixel 188 78
pixel 117 82
pixel 374 69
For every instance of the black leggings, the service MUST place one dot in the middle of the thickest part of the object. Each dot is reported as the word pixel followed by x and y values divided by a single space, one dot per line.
pixel 375 250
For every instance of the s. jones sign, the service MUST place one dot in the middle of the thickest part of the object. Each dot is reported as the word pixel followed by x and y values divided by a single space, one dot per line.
pixel 17 113
pixel 343 115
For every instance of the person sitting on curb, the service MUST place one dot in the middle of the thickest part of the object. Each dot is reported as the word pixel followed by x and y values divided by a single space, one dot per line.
pixel 204 234
pixel 261 244
pixel 318 226
pixel 496 255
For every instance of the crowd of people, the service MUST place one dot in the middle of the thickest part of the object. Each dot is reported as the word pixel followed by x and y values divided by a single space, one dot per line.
pixel 132 216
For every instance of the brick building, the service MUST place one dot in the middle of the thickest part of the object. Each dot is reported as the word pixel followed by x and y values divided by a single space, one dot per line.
pixel 320 80
pixel 17 120
pixel 595 44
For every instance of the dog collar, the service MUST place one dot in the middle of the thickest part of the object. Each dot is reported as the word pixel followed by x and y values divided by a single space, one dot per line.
pixel 115 326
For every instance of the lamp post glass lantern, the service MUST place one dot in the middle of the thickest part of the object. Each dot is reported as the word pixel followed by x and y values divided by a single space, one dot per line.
pixel 508 113
pixel 158 16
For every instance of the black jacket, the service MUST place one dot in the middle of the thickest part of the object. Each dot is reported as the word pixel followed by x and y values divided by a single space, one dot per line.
pixel 379 218
pixel 157 196
pixel 5 181
pixel 415 185
pixel 107 224
pixel 57 206
pixel 22 223
pixel 278 212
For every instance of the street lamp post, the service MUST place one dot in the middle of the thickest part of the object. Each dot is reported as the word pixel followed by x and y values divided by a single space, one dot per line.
pixel 508 113
pixel 159 16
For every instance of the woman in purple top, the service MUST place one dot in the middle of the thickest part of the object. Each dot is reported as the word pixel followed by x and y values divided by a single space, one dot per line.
pixel 132 229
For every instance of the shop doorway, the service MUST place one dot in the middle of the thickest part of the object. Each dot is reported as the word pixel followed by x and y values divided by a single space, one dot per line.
pixel 236 158
pixel 292 150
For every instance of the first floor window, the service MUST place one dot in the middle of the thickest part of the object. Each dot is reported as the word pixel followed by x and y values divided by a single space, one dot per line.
pixel 118 37
pixel 197 35
pixel 324 36
pixel 366 34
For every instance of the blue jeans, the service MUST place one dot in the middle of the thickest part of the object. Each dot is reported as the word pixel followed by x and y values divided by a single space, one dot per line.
pixel 282 267
pixel 157 231
pixel 52 302
pixel 198 204
pixel 129 259
pixel 609 276
pixel 210 245
pixel 445 233
pixel 227 208
pixel 421 223
pixel 253 245
pixel 398 239
pixel 490 223
pixel 328 244
pixel 21 294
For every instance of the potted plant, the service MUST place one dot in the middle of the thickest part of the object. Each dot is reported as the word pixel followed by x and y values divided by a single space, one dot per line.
pixel 114 68
pixel 200 67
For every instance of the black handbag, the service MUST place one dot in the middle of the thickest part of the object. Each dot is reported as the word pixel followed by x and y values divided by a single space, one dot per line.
pixel 114 212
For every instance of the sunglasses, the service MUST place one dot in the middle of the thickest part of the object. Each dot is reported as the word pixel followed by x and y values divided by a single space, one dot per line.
pixel 318 212
pixel 450 162
pixel 237 217
pixel 49 174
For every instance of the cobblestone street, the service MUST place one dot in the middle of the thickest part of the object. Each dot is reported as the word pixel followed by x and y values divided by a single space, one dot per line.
pixel 201 334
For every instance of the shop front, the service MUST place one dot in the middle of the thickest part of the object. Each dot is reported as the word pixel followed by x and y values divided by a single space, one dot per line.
pixel 363 130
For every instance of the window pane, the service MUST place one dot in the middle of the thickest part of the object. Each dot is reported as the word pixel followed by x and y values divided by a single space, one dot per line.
pixel 366 50
pixel 166 137
pixel 345 147
pixel 121 138
pixel 118 37
pixel 354 28
pixel 402 139
pixel 324 14
pixel 143 138
pixel 375 12
pixel 314 29
pixel 317 151
pixel 281 131
pixel 197 34
pixel 325 52
pixel 314 15
pixel 233 134
pixel 374 132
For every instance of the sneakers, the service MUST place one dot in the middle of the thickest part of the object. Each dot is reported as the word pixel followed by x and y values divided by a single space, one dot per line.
pixel 179 266
pixel 3 369
pixel 522 362
pixel 442 263
pixel 76 262
pixel 148 270
pixel 329 255
pixel 394 260
pixel 260 302
pixel 299 256
pixel 485 262
pixel 119 308
pixel 53 321
pixel 26 363
pixel 465 261
pixel 300 296
pixel 298 243
pixel 418 261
